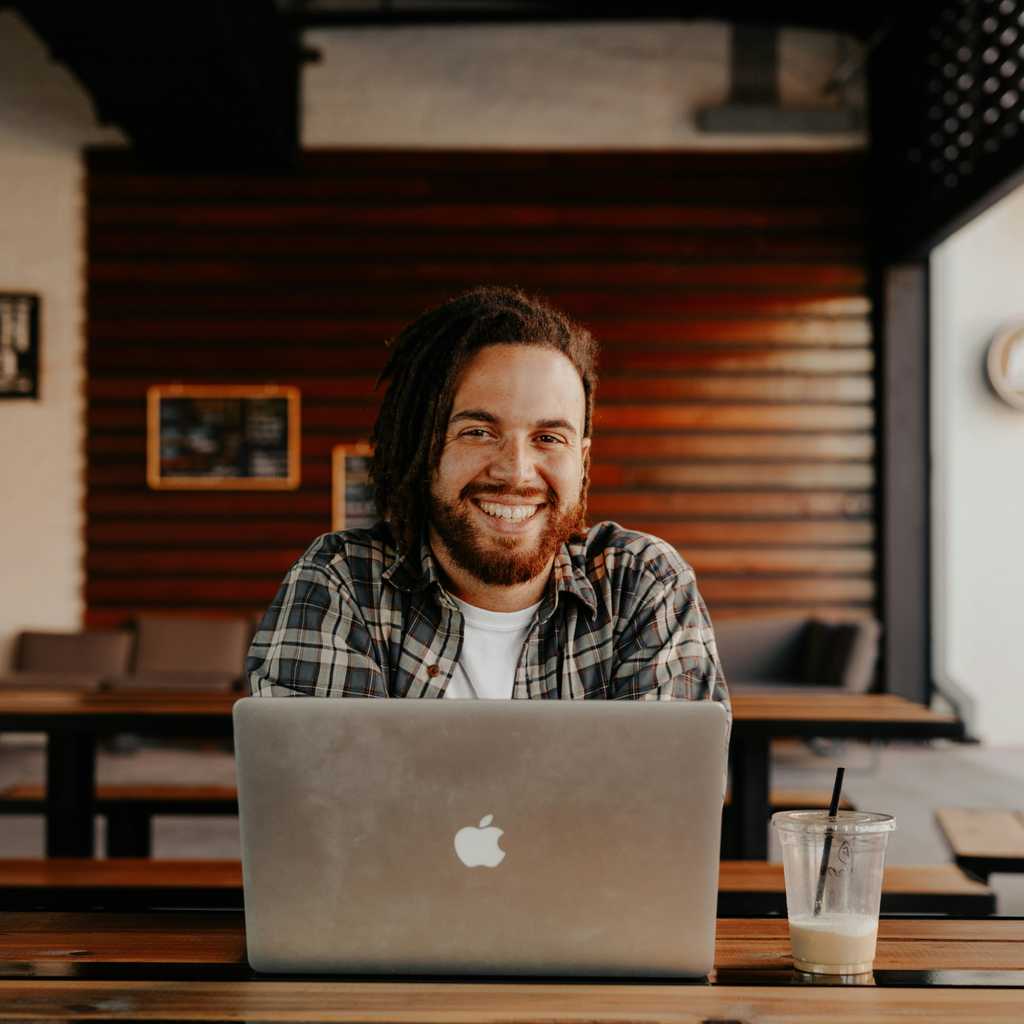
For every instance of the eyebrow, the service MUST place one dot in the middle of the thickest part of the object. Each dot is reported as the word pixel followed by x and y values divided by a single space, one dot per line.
pixel 484 416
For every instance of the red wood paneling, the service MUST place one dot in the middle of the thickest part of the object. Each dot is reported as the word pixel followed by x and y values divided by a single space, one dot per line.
pixel 735 412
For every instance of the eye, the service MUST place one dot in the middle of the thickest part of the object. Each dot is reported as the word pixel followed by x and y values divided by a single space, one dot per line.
pixel 475 432
pixel 551 438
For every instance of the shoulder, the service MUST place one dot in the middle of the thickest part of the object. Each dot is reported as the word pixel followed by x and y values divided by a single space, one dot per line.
pixel 612 551
pixel 359 555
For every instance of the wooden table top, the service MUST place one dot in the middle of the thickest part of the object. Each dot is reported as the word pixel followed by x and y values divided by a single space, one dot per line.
pixel 515 1003
pixel 742 944
pixel 810 704
pixel 121 702
pixel 819 704
pixel 45 962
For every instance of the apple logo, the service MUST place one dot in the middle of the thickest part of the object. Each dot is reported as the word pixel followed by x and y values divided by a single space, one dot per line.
pixel 478 847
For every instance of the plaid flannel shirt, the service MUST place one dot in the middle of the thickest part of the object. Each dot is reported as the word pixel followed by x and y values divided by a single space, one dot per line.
pixel 620 619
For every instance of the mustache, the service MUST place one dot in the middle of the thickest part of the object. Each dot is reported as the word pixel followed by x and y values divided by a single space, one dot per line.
pixel 505 492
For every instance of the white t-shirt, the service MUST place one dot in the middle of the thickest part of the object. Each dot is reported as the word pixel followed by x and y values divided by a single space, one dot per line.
pixel 491 645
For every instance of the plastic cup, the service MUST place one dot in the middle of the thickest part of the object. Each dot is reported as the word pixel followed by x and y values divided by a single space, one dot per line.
pixel 834 931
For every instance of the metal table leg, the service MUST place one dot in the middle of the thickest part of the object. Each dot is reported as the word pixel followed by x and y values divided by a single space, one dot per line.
pixel 750 761
pixel 70 794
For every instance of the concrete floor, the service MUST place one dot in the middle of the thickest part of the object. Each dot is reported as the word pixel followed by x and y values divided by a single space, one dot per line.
pixel 904 779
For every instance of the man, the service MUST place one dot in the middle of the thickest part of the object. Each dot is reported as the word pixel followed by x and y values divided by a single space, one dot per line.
pixel 482 578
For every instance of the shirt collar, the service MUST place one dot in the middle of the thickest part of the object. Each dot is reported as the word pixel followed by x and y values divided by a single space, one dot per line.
pixel 416 571
pixel 569 576
pixel 412 572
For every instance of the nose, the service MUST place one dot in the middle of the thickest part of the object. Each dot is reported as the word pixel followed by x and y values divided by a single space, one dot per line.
pixel 514 463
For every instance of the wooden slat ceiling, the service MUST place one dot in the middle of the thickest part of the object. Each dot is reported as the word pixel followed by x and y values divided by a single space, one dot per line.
pixel 735 414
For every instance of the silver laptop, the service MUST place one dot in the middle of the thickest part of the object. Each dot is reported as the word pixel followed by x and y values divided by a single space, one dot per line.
pixel 480 837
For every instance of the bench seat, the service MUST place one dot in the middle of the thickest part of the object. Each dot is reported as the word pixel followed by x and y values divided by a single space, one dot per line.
pixel 984 841
pixel 746 888
pixel 129 808
pixel 754 888
pixel 71 883
pixel 160 799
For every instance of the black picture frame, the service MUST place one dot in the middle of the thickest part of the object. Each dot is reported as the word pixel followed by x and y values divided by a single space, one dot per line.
pixel 19 345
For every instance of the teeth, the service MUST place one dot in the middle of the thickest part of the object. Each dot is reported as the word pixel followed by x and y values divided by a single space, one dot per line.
pixel 514 514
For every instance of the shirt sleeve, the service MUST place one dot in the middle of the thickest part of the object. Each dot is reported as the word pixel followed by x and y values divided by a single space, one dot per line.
pixel 314 641
pixel 667 649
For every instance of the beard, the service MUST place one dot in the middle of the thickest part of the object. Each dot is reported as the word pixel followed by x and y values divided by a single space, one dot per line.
pixel 503 560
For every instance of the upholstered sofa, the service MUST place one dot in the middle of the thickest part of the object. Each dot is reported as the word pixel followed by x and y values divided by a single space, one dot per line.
pixel 796 651
pixel 75 661
pixel 161 652
pixel 175 652
pixel 165 652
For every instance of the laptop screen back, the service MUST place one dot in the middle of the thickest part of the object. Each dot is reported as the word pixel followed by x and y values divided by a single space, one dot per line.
pixel 480 837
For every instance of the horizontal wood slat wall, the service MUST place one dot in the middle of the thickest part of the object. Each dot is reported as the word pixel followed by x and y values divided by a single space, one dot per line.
pixel 735 413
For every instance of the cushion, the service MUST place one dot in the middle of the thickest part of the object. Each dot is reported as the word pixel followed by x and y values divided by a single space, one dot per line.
pixel 185 644
pixel 841 654
pixel 762 648
pixel 95 651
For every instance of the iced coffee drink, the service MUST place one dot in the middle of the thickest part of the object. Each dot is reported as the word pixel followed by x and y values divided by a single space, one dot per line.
pixel 833 868
pixel 847 940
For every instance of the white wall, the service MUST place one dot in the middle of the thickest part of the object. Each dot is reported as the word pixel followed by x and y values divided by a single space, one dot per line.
pixel 624 85
pixel 978 474
pixel 45 119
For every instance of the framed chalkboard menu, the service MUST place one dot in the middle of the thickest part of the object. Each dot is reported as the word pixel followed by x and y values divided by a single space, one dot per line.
pixel 352 504
pixel 223 437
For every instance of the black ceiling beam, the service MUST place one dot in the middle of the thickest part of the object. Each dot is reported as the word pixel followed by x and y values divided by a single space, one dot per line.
pixel 859 19
pixel 197 84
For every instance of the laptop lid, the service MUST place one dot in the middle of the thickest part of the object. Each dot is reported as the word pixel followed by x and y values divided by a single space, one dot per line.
pixel 480 837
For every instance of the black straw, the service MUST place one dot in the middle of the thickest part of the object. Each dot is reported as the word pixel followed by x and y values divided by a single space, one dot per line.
pixel 833 810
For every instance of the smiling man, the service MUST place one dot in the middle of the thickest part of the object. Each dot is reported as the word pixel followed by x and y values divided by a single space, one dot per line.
pixel 482 578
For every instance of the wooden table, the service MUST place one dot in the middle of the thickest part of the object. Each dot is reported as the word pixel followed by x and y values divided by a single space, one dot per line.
pixel 984 840
pixel 175 967
pixel 73 721
pixel 759 717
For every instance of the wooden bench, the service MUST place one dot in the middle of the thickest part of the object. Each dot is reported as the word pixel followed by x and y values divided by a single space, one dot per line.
pixel 123 883
pixel 984 841
pixel 746 888
pixel 129 809
pixel 755 888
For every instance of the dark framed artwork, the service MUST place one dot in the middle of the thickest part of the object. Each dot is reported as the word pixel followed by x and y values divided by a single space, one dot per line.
pixel 19 345
pixel 223 437
pixel 352 504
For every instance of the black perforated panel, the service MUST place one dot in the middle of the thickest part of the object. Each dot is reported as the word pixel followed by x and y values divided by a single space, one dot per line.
pixel 948 110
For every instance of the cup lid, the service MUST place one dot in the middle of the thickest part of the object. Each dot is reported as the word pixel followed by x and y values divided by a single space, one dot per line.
pixel 845 822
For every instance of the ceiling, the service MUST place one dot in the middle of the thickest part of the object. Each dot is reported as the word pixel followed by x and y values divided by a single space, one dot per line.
pixel 215 83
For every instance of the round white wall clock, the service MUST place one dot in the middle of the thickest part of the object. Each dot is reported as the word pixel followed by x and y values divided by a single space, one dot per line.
pixel 1006 365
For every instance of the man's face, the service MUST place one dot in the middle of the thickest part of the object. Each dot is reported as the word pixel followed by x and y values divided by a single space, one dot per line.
pixel 506 494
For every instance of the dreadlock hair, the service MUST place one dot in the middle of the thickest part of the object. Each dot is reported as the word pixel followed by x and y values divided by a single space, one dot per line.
pixel 423 369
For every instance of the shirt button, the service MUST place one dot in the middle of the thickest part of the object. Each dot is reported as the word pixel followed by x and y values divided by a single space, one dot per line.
pixel 432 670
